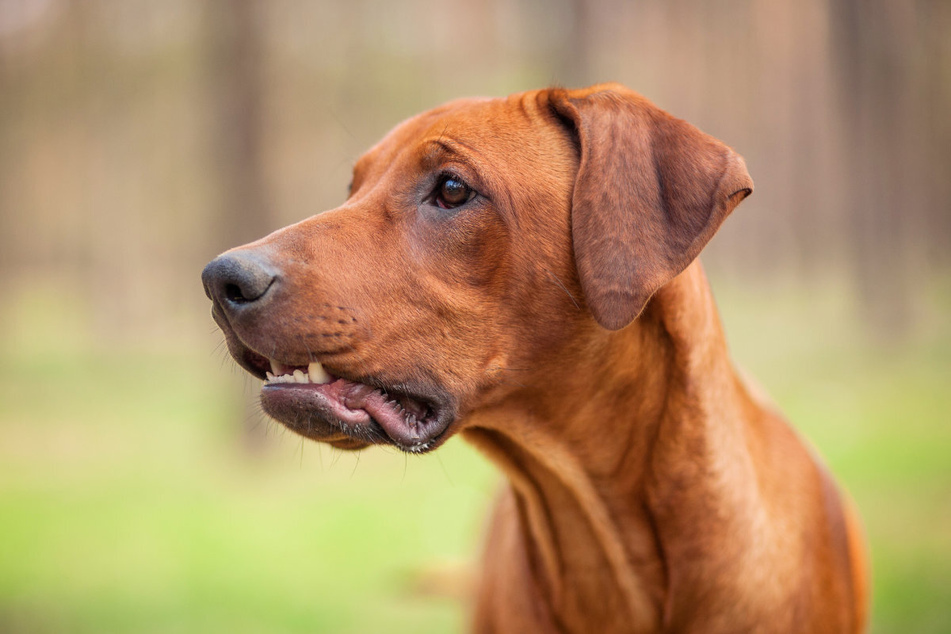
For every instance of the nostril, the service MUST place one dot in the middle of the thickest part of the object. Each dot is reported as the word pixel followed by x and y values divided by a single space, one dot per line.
pixel 234 294
pixel 236 279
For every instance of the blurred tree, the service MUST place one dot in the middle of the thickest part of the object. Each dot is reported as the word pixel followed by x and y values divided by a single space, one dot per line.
pixel 7 226
pixel 935 38
pixel 576 53
pixel 237 85
pixel 885 72
pixel 236 81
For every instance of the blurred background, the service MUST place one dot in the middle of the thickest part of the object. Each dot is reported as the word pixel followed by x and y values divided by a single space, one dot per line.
pixel 140 489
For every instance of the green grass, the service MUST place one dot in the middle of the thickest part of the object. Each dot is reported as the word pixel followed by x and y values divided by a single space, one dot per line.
pixel 128 502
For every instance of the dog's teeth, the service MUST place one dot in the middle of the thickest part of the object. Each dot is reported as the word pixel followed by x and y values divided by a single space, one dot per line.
pixel 275 368
pixel 270 377
pixel 317 373
pixel 300 377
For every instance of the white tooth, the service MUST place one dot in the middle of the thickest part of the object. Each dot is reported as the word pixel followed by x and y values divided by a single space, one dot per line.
pixel 317 373
pixel 274 368
pixel 270 377
pixel 300 377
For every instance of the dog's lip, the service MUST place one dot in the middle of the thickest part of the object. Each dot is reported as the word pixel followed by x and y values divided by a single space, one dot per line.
pixel 363 408
pixel 363 412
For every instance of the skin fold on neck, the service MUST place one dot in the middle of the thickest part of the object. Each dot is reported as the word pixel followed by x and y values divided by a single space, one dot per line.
pixel 585 484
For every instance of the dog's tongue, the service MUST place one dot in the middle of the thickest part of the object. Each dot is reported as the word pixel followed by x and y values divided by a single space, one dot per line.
pixel 398 419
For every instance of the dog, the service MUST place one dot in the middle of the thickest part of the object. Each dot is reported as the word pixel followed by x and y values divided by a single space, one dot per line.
pixel 522 271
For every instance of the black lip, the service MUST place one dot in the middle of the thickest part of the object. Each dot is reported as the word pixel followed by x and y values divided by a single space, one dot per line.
pixel 255 364
pixel 304 410
pixel 307 416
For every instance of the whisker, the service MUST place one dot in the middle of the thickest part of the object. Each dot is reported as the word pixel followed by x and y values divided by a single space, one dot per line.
pixel 563 287
pixel 444 470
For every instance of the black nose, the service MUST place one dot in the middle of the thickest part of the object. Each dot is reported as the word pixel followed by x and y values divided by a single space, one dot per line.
pixel 238 280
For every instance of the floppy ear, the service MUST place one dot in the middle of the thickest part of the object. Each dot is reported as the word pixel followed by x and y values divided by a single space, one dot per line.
pixel 651 191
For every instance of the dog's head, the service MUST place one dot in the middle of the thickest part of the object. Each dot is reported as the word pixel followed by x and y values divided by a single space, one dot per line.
pixel 478 240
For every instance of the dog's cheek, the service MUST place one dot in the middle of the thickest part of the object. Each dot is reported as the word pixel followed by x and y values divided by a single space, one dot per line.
pixel 467 247
pixel 458 270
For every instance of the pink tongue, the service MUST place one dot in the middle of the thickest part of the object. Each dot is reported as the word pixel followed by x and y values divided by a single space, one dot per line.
pixel 384 411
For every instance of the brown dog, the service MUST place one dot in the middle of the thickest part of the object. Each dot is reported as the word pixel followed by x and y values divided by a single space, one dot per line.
pixel 520 271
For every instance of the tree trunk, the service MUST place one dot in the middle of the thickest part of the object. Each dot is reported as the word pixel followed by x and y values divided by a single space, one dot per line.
pixel 237 89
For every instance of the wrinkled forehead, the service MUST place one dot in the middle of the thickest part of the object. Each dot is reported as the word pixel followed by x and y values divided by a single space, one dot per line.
pixel 494 129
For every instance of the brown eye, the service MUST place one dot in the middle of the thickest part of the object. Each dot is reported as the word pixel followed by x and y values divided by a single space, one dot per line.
pixel 452 192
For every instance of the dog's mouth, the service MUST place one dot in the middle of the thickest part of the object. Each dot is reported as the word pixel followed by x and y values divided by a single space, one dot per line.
pixel 349 413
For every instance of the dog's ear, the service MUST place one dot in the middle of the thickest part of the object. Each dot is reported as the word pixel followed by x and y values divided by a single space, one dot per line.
pixel 651 191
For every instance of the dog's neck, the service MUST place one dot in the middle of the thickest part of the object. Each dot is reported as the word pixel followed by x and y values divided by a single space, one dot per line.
pixel 589 500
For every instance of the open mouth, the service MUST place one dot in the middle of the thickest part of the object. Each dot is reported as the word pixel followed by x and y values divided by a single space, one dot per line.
pixel 304 396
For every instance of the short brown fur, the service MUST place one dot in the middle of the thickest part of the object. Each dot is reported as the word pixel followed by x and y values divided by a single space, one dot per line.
pixel 565 315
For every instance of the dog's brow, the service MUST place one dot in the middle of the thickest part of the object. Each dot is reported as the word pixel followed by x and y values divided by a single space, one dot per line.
pixel 436 147
pixel 441 149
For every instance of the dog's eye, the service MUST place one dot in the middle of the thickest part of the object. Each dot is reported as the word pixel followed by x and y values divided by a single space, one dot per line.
pixel 452 193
